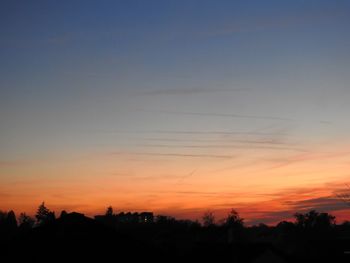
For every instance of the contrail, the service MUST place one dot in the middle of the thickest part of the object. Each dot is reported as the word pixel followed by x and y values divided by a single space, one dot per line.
pixel 186 176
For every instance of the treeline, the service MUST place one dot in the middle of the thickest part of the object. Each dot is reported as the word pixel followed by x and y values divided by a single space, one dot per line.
pixel 309 220
pixel 310 237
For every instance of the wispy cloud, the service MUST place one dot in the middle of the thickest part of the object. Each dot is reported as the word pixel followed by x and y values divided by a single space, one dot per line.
pixel 218 146
pixel 186 176
pixel 275 22
pixel 7 163
pixel 225 115
pixel 187 91
pixel 273 142
pixel 324 203
pixel 343 194
pixel 188 132
pixel 5 195
pixel 273 208
pixel 308 157
pixel 320 204
pixel 180 155
pixel 302 200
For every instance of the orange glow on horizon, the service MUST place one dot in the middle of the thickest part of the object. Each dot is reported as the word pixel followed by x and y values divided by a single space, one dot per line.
pixel 263 191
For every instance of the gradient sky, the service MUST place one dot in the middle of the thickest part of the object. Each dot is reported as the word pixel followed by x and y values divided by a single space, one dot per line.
pixel 177 107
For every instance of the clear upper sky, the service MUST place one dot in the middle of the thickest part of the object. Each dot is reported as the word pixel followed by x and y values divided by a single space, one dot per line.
pixel 175 106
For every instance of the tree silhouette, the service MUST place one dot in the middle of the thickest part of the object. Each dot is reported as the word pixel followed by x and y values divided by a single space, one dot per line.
pixel 109 211
pixel 234 223
pixel 313 219
pixel 43 214
pixel 8 223
pixel 3 216
pixel 25 221
pixel 63 213
pixel 233 219
pixel 160 219
pixel 8 219
pixel 208 219
pixel 11 220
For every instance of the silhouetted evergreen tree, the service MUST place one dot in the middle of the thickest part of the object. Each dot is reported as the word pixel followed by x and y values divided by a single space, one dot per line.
pixel 44 215
pixel 8 224
pixel 11 220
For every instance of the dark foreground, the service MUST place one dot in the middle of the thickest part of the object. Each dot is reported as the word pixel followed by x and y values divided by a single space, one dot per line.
pixel 76 238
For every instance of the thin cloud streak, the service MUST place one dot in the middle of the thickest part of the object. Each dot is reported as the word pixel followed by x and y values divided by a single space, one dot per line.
pixel 217 140
pixel 269 23
pixel 180 155
pixel 193 132
pixel 189 91
pixel 324 203
pixel 221 146
pixel 308 157
pixel 278 206
pixel 225 115
pixel 219 132
pixel 12 163
pixel 186 176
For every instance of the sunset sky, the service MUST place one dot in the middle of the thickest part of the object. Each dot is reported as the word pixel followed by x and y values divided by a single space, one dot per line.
pixel 176 107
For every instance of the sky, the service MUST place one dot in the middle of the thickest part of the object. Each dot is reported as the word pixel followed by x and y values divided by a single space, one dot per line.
pixel 176 107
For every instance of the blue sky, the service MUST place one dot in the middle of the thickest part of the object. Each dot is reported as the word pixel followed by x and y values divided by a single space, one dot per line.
pixel 88 77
